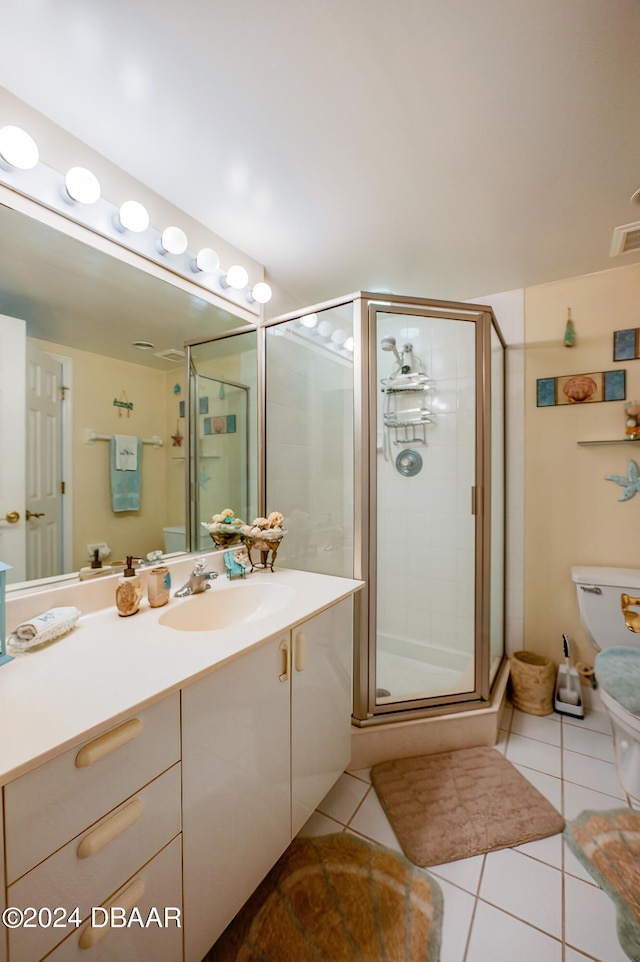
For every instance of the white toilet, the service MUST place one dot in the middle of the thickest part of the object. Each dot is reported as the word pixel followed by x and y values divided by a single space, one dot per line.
pixel 617 665
pixel 175 539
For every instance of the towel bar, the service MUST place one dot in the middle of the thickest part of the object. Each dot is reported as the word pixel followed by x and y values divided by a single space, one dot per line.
pixel 91 436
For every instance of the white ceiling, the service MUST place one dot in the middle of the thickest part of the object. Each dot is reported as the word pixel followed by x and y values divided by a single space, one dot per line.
pixel 446 148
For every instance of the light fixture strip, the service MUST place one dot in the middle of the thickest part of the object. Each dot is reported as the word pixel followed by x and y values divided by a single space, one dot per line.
pixel 46 187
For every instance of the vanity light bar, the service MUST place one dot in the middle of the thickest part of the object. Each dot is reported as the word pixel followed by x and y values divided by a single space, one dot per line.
pixel 76 196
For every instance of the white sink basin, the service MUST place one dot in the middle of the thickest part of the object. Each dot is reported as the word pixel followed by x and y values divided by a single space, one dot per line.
pixel 225 607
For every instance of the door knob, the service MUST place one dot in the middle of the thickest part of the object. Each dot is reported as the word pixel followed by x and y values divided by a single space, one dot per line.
pixel 34 514
pixel 12 516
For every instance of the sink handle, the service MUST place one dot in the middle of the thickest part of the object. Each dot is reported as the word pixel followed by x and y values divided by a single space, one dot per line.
pixel 285 650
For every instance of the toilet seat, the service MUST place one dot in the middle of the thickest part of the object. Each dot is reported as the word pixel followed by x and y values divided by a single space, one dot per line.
pixel 618 673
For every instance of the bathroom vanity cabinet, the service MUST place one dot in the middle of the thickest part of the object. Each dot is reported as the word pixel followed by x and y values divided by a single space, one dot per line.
pixel 95 821
pixel 183 805
pixel 263 740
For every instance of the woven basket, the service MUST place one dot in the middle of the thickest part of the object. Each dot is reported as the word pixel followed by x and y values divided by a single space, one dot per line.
pixel 532 682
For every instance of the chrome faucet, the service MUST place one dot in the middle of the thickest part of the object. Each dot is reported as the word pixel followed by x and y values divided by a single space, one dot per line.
pixel 198 579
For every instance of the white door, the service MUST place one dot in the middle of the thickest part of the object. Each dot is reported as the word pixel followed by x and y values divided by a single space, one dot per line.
pixel 12 446
pixel 43 458
pixel 235 788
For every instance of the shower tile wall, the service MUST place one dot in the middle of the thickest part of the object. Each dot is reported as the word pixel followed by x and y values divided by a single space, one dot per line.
pixel 310 442
pixel 425 527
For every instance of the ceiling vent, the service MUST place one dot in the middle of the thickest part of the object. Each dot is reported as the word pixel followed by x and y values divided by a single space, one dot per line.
pixel 171 354
pixel 626 239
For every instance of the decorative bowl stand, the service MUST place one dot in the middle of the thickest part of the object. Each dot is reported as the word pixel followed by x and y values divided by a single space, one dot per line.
pixel 264 546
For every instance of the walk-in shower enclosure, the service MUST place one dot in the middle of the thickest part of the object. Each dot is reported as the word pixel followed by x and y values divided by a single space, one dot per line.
pixel 381 422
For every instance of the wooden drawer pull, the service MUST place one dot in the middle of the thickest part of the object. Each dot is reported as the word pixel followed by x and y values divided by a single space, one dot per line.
pixel 114 826
pixel 107 743
pixel 301 651
pixel 285 655
pixel 126 900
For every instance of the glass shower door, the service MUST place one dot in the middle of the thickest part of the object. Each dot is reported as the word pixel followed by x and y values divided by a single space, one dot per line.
pixel 423 476
pixel 222 432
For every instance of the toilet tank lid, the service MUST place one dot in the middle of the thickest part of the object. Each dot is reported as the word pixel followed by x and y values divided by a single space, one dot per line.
pixel 617 577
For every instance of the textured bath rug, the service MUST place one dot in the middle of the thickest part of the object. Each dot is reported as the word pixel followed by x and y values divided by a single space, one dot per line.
pixel 456 804
pixel 608 845
pixel 337 899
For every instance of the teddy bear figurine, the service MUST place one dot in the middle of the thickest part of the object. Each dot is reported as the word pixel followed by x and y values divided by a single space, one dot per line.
pixel 632 420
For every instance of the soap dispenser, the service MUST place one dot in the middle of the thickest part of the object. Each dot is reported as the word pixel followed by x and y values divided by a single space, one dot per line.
pixel 129 590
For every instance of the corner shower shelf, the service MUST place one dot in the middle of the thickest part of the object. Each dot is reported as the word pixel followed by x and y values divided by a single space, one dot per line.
pixel 397 421
pixel 406 425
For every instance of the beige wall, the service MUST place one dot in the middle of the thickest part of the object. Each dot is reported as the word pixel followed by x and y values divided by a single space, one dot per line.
pixel 572 515
pixel 96 381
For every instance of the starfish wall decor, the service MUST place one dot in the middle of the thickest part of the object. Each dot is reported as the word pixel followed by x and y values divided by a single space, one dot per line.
pixel 631 483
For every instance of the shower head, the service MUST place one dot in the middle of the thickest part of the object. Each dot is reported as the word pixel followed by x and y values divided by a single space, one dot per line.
pixel 389 344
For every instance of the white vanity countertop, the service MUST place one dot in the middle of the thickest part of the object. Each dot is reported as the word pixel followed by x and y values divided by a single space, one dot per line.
pixel 54 698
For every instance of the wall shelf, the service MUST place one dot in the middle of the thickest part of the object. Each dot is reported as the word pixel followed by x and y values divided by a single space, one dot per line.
pixel 613 441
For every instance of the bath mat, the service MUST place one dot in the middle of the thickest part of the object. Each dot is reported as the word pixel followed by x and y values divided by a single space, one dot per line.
pixel 608 845
pixel 456 804
pixel 335 899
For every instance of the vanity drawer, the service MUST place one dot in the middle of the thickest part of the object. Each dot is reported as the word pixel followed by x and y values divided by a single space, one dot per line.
pixel 156 885
pixel 88 869
pixel 58 800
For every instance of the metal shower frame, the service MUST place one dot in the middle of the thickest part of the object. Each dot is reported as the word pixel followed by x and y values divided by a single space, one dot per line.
pixel 366 305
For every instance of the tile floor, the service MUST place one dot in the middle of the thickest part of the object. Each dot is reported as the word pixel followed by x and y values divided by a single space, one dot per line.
pixel 534 903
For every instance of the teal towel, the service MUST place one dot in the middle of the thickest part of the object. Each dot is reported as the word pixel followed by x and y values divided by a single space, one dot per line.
pixel 125 485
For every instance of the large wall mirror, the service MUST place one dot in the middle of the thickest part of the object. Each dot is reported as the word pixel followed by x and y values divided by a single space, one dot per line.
pixel 81 329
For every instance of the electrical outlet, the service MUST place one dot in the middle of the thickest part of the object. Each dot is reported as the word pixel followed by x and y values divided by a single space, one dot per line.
pixel 102 547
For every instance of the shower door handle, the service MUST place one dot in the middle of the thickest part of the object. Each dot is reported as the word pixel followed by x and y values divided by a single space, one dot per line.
pixel 285 652
pixel 300 652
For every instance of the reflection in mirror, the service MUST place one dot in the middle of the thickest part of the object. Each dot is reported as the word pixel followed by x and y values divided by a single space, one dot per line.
pixel 223 443
pixel 79 330
pixel 310 434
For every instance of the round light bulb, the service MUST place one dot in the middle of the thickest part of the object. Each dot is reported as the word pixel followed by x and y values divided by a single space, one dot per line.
pixel 309 320
pixel 348 344
pixel 325 328
pixel 237 277
pixel 82 185
pixel 261 292
pixel 18 148
pixel 207 261
pixel 133 216
pixel 173 241
pixel 339 336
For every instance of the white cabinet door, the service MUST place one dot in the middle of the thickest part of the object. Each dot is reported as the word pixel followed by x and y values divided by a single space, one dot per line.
pixel 236 788
pixel 322 653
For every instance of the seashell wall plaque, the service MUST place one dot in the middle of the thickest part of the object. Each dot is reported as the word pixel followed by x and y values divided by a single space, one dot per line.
pixel 581 388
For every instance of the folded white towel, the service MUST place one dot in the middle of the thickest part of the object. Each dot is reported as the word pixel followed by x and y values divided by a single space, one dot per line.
pixel 51 624
pixel 126 452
